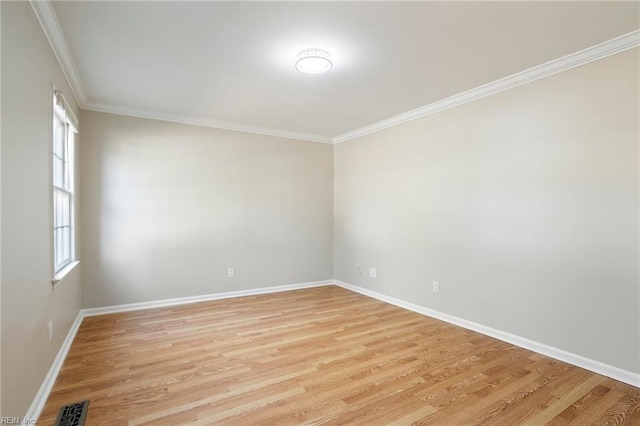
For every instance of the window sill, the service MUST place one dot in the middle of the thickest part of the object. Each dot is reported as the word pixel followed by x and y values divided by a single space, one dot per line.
pixel 60 275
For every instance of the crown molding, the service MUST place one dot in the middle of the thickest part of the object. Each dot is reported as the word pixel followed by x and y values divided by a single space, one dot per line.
pixel 46 18
pixel 204 122
pixel 582 57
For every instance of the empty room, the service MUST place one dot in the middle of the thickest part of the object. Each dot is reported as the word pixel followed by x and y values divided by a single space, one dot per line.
pixel 340 213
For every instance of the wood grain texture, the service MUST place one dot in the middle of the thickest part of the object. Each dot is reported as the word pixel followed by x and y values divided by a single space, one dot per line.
pixel 319 356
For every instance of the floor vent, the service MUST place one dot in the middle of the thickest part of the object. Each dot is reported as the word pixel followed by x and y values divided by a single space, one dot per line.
pixel 73 414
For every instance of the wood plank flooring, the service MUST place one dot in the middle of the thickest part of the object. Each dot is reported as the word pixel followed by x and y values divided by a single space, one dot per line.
pixel 319 356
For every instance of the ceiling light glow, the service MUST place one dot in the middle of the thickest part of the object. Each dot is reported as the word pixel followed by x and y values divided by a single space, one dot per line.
pixel 313 61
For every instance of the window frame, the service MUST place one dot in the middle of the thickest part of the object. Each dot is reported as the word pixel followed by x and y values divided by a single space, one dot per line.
pixel 64 127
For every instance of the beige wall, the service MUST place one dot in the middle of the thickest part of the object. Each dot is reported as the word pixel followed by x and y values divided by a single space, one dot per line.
pixel 167 208
pixel 28 300
pixel 0 224
pixel 523 205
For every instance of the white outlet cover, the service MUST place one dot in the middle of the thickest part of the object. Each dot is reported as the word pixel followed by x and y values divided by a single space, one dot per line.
pixel 372 272
pixel 436 286
pixel 50 330
pixel 230 272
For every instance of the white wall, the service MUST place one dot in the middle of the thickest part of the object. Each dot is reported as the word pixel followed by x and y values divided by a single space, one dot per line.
pixel 28 300
pixel 168 207
pixel 524 205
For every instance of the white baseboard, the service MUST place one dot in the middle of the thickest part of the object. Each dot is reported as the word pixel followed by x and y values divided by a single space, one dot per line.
pixel 43 393
pixel 202 298
pixel 589 364
pixel 616 373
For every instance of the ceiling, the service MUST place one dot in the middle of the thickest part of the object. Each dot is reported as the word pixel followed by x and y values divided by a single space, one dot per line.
pixel 234 61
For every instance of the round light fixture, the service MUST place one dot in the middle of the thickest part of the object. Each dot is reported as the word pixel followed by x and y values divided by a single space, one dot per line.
pixel 313 61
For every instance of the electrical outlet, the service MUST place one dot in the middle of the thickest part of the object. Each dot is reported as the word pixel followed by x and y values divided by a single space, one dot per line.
pixel 436 286
pixel 50 330
pixel 372 272
pixel 230 272
pixel 358 271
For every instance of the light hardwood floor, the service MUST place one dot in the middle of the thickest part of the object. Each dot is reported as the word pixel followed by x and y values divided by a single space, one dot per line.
pixel 319 356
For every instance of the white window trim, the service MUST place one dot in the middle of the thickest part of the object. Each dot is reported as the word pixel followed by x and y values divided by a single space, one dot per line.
pixel 72 122
pixel 62 273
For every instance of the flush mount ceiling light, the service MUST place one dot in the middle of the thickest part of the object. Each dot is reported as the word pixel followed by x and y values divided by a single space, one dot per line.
pixel 313 61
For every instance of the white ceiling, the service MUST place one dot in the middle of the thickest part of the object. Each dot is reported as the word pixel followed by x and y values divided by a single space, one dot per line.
pixel 233 61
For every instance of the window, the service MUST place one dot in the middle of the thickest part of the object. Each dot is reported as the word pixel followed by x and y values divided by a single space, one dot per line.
pixel 64 129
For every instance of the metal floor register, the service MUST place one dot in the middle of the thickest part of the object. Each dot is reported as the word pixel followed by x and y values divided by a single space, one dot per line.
pixel 73 414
